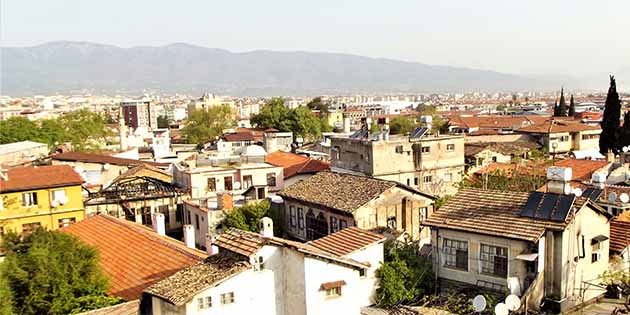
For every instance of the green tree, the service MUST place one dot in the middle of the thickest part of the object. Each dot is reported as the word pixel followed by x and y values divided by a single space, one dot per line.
pixel 562 106
pixel 304 123
pixel 609 138
pixel 204 125
pixel 321 106
pixel 85 129
pixel 401 125
pixel 163 121
pixel 50 272
pixel 246 217
pixel 501 108
pixel 556 110
pixel 374 127
pixel 571 107
pixel 273 115
pixel 17 129
pixel 6 296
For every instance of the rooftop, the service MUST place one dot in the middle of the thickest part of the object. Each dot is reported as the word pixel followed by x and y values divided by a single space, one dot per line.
pixel 39 177
pixel 128 308
pixel 557 126
pixel 581 169
pixel 239 136
pixel 19 146
pixel 619 235
pixel 132 256
pixel 347 241
pixel 295 164
pixel 497 213
pixel 506 148
pixel 102 159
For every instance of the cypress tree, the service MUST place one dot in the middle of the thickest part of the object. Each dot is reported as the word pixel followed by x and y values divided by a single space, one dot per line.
pixel 571 107
pixel 624 139
pixel 556 111
pixel 562 107
pixel 609 138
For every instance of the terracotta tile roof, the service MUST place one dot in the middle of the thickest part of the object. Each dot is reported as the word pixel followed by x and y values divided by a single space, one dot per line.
pixel 238 136
pixel 619 235
pixel 496 213
pixel 557 126
pixel 506 148
pixel 495 121
pixel 582 169
pixel 132 256
pixel 102 159
pixel 29 178
pixel 180 287
pixel 343 192
pixel 347 241
pixel 160 174
pixel 128 308
pixel 295 164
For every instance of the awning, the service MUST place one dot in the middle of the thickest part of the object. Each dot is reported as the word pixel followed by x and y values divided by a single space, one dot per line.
pixel 598 239
pixel 527 257
pixel 334 284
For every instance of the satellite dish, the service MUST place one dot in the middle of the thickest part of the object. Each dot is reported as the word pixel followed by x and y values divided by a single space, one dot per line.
pixel 513 302
pixel 624 198
pixel 106 166
pixel 501 309
pixel 577 192
pixel 479 303
pixel 612 197
pixel 237 185
pixel 625 149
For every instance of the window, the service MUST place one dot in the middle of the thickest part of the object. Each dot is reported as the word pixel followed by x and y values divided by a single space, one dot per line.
pixel 271 179
pixel 208 301
pixel 212 184
pixel 362 273
pixel 333 292
pixel 164 210
pixel 334 224
pixel 292 216
pixel 200 304
pixel 426 150
pixel 342 224
pixel 258 263
pixel 399 149
pixel 415 181
pixel 247 181
pixel 227 298
pixel 228 182
pixel 448 177
pixel 494 159
pixel 29 199
pixel 66 222
pixel 59 196
pixel 423 213
pixel 450 147
pixel 427 179
pixel 408 182
pixel 196 221
pixel 455 254
pixel 28 228
pixel 595 252
pixel 188 215
pixel 300 218
pixel 179 213
pixel 391 223
pixel 564 138
pixel 588 137
pixel 493 260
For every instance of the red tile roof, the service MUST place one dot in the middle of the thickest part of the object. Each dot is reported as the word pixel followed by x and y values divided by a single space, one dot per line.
pixel 29 178
pixel 495 121
pixel 102 159
pixel 347 241
pixel 582 169
pixel 132 255
pixel 557 126
pixel 238 136
pixel 619 235
pixel 128 308
pixel 295 164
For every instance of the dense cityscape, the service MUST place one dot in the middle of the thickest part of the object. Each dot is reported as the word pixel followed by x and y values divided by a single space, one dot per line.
pixel 239 187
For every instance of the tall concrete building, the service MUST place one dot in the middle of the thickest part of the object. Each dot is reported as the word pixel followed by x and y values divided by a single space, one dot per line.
pixel 139 113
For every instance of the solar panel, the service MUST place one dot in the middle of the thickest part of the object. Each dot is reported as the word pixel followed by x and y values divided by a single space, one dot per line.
pixel 595 195
pixel 418 132
pixel 547 206
pixel 587 192
pixel 563 207
pixel 362 133
pixel 532 204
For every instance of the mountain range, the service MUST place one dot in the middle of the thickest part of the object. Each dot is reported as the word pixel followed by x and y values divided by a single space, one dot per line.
pixel 74 67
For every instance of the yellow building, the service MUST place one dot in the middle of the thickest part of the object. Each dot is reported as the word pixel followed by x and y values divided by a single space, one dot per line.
pixel 46 196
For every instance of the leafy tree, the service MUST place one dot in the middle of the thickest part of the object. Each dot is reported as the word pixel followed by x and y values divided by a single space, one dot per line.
pixel 301 121
pixel 318 104
pixel 374 127
pixel 85 129
pixel 246 217
pixel 562 106
pixel 6 297
pixel 401 125
pixel 50 272
pixel 304 123
pixel 571 107
pixel 501 108
pixel 404 275
pixel 502 180
pixel 625 130
pixel 163 121
pixel 17 129
pixel 609 138
pixel 204 125
pixel 556 110
pixel 426 110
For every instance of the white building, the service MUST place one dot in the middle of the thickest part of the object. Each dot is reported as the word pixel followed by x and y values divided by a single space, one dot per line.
pixel 269 275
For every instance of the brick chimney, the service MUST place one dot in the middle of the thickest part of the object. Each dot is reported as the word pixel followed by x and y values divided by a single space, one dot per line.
pixel 210 248
pixel 225 201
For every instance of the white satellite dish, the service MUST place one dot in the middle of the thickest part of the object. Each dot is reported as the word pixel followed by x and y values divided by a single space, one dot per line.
pixel 577 192
pixel 479 303
pixel 513 302
pixel 501 309
pixel 625 149
pixel 624 198
pixel 237 185
pixel 106 166
pixel 612 197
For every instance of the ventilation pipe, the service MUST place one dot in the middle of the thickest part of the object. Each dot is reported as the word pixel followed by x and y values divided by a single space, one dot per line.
pixel 158 223
pixel 189 236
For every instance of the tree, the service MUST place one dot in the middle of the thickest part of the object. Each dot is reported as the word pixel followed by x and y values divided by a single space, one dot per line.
pixel 6 297
pixel 321 106
pixel 609 138
pixel 562 106
pixel 304 123
pixel 163 121
pixel 404 275
pixel 50 272
pixel 204 125
pixel 301 121
pixel 85 129
pixel 17 129
pixel 273 115
pixel 556 110
pixel 246 217
pixel 501 108
pixel 571 107
pixel 401 125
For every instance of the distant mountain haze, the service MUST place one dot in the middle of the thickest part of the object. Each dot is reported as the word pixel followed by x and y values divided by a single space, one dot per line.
pixel 74 67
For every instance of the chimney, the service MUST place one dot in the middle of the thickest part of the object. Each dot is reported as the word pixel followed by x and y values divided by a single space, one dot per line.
pixel 346 123
pixel 189 236
pixel 210 248
pixel 158 223
pixel 599 180
pixel 265 226
pixel 225 201
pixel 610 156
pixel 558 180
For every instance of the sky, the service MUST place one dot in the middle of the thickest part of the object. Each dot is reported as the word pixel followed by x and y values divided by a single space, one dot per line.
pixel 552 37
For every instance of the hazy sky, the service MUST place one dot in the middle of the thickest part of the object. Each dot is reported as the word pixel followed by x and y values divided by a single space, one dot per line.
pixel 573 37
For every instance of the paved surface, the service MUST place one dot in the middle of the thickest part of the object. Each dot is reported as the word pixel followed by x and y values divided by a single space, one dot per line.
pixel 604 307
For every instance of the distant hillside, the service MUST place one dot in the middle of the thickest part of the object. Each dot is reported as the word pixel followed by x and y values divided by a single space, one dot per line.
pixel 75 66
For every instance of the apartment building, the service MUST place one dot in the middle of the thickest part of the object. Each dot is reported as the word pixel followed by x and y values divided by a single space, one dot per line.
pixel 564 136
pixel 139 113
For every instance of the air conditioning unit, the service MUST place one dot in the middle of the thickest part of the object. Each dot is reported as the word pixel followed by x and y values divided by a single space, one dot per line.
pixel 55 203
pixel 63 200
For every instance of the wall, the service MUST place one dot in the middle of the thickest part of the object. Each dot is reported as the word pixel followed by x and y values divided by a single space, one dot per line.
pixel 512 137
pixel 374 256
pixel 587 144
pixel 30 154
pixel 300 233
